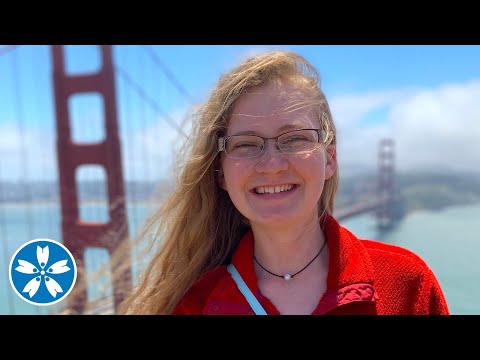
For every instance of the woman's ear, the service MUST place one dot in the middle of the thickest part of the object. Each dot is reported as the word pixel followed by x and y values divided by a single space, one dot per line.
pixel 331 161
pixel 220 178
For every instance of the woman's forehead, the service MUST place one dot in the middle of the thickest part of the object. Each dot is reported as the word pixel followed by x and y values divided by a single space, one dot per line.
pixel 271 98
pixel 273 106
pixel 243 123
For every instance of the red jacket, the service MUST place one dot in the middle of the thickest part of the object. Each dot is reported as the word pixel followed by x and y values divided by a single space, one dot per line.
pixel 364 277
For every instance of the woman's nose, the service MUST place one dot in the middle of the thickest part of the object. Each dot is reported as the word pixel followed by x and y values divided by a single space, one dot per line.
pixel 272 159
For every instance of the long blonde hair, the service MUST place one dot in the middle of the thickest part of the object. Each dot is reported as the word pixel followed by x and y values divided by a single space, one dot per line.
pixel 198 226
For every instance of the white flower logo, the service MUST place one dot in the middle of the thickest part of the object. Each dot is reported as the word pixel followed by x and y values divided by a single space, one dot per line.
pixel 42 272
pixel 34 284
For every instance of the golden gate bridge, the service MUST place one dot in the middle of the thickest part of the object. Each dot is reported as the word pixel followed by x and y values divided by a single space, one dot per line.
pixel 113 235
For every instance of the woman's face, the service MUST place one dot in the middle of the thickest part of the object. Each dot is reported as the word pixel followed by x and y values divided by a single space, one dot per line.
pixel 275 189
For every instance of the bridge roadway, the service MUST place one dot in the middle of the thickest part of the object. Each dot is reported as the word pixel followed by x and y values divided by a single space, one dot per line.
pixel 356 209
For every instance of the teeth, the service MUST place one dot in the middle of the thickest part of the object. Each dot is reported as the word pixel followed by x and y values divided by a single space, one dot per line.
pixel 273 189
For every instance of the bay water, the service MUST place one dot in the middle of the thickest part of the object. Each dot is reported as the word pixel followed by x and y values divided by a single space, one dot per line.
pixel 448 240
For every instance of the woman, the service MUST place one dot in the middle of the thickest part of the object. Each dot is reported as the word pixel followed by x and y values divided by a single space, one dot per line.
pixel 249 228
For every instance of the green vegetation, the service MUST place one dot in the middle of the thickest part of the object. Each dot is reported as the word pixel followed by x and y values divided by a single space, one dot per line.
pixel 421 191
pixel 436 191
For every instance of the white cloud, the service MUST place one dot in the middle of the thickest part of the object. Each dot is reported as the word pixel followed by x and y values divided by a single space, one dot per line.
pixel 439 129
pixel 433 129
pixel 348 110
pixel 36 159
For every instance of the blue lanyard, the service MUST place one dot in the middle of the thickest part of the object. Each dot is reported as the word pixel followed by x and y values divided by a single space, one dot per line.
pixel 252 300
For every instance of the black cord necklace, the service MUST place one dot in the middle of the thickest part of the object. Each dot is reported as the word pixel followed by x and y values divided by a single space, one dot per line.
pixel 288 276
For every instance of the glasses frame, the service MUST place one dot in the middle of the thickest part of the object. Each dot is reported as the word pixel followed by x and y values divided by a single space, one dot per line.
pixel 222 140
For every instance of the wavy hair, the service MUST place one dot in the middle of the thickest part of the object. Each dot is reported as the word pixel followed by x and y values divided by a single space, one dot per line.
pixel 198 227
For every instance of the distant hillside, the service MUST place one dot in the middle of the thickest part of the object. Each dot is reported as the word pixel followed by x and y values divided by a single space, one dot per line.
pixel 436 191
pixel 429 191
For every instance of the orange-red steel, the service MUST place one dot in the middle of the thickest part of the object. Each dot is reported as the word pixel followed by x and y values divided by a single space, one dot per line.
pixel 79 235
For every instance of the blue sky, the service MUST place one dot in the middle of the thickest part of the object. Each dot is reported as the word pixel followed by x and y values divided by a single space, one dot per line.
pixel 426 97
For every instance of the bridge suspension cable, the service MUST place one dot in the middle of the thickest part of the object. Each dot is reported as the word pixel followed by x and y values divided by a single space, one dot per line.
pixel 23 149
pixel 3 227
pixel 149 100
pixel 151 52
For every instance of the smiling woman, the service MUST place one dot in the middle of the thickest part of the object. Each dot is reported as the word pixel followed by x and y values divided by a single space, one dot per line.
pixel 249 228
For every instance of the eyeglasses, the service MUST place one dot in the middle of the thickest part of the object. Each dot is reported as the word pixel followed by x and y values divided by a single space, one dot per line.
pixel 299 141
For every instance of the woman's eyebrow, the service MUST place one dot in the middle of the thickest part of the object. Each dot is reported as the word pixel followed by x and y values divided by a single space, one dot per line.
pixel 280 130
pixel 291 127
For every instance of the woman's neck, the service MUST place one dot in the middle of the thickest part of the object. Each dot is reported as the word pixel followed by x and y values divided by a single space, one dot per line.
pixel 288 249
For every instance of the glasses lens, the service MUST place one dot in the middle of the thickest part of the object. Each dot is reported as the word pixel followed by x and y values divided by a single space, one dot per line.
pixel 243 146
pixel 299 141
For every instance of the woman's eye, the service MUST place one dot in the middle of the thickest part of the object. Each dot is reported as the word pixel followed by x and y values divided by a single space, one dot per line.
pixel 244 145
pixel 294 139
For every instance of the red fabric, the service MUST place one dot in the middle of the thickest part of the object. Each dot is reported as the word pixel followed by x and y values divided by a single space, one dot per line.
pixel 364 277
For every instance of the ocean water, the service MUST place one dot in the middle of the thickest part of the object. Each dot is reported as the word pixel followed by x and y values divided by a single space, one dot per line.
pixel 447 240
pixel 19 224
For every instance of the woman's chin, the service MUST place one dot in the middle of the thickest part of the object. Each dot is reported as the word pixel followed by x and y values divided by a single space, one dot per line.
pixel 277 220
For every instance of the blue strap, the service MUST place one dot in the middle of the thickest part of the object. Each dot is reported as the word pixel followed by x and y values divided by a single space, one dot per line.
pixel 252 300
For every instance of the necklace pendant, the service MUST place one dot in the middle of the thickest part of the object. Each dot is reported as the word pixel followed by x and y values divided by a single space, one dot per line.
pixel 287 277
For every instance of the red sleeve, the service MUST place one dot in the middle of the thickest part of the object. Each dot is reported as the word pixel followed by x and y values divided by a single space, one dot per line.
pixel 431 299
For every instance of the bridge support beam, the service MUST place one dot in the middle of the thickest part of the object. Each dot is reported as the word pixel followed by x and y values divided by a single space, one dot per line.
pixel 78 235
pixel 385 184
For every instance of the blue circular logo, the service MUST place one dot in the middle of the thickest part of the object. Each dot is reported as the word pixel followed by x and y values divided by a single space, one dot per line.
pixel 42 272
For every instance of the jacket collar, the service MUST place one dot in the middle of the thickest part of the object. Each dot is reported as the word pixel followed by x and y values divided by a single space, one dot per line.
pixel 349 262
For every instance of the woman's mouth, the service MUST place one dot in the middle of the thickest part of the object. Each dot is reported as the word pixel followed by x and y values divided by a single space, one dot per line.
pixel 274 189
